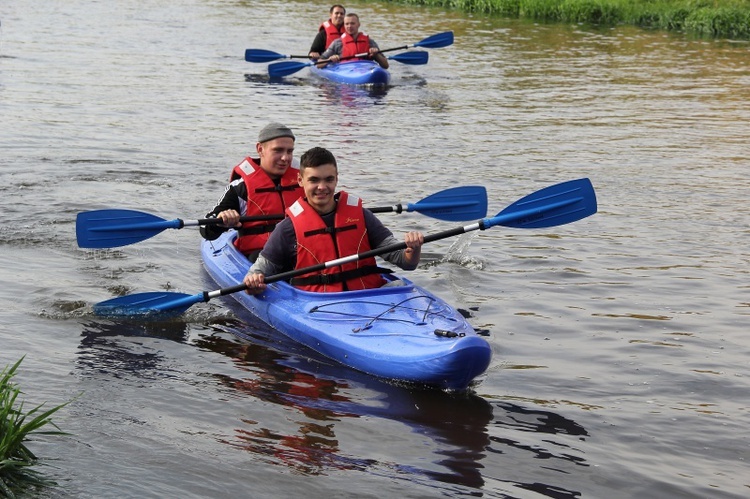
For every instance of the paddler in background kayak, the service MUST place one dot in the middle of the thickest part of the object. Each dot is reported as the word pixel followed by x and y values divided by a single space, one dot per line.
pixel 266 185
pixel 330 30
pixel 351 43
pixel 324 226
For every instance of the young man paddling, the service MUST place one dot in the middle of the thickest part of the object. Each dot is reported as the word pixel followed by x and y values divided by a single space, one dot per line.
pixel 324 226
pixel 353 42
pixel 266 185
pixel 330 30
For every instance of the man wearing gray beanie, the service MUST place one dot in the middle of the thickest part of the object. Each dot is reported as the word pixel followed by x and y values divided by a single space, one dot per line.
pixel 262 186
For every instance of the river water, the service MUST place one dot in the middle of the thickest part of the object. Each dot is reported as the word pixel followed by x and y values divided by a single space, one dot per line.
pixel 620 362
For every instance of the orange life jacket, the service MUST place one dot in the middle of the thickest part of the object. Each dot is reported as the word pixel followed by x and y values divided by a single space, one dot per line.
pixel 317 243
pixel 332 32
pixel 264 197
pixel 352 47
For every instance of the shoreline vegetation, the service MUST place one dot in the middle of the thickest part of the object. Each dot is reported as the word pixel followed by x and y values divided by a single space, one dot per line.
pixel 17 475
pixel 704 18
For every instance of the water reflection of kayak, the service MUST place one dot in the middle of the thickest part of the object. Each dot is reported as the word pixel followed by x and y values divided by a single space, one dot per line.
pixel 400 333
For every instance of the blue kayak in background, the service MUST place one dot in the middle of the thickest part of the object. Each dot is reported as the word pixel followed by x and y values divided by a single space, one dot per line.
pixel 401 333
pixel 360 72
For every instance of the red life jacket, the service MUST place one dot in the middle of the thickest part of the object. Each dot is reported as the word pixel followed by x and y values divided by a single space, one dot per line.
pixel 332 32
pixel 317 243
pixel 351 47
pixel 264 197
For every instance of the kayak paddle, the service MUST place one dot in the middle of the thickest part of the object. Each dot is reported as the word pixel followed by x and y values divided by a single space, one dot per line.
pixel 279 69
pixel 111 228
pixel 415 57
pixel 262 55
pixel 549 207
pixel 435 41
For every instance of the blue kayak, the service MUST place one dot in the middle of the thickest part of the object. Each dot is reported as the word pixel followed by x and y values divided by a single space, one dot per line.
pixel 401 333
pixel 360 72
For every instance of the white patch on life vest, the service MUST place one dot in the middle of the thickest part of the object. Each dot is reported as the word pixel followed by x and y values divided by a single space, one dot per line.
pixel 296 208
pixel 352 200
pixel 246 167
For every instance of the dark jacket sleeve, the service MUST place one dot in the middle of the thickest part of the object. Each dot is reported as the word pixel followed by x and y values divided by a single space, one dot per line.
pixel 229 201
pixel 319 43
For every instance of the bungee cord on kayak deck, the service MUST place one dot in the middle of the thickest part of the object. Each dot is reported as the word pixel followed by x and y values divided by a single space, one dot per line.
pixel 388 308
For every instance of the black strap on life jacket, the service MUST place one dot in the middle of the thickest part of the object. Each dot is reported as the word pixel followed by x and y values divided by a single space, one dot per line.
pixel 277 188
pixel 256 229
pixel 330 230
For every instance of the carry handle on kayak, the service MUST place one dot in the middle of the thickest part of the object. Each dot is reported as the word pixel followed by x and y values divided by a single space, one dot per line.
pixel 549 207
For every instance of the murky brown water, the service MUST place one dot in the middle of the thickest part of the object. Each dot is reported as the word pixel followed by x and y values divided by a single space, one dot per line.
pixel 620 365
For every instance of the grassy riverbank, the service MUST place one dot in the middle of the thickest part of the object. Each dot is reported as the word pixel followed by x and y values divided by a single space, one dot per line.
pixel 713 18
pixel 17 474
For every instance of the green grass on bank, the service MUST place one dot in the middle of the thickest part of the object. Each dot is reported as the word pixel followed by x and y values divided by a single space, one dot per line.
pixel 712 18
pixel 17 474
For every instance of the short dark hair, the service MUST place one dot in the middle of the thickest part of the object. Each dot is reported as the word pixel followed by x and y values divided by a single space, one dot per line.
pixel 330 11
pixel 315 157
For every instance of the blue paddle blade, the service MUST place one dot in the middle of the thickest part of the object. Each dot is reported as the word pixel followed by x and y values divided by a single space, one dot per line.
pixel 414 57
pixel 454 205
pixel 151 303
pixel 554 205
pixel 279 69
pixel 114 227
pixel 437 41
pixel 261 55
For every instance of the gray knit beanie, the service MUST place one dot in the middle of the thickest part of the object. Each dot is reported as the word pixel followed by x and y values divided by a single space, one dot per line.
pixel 274 131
